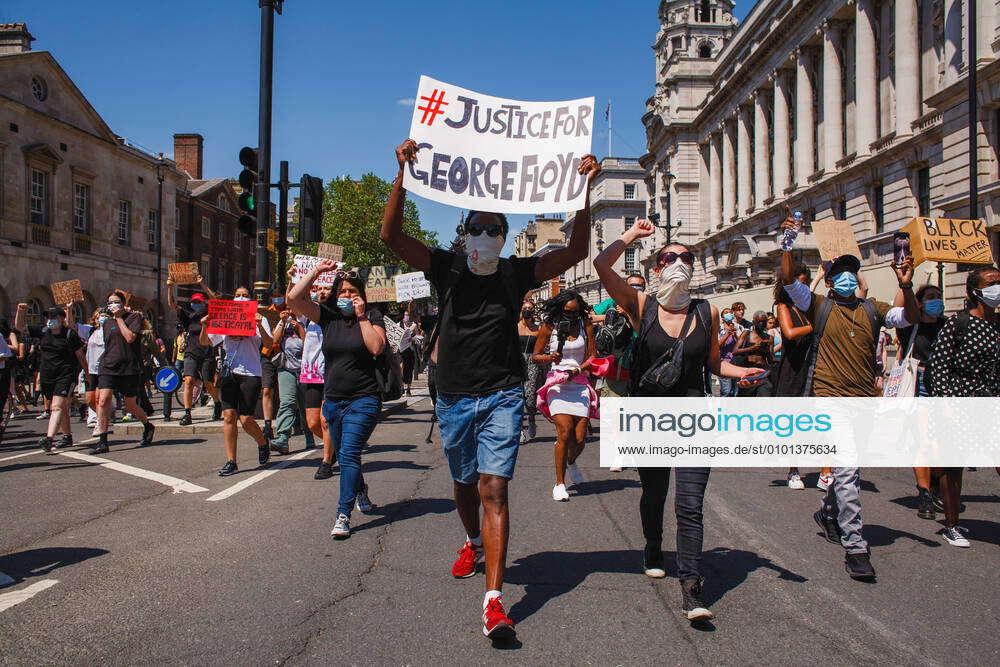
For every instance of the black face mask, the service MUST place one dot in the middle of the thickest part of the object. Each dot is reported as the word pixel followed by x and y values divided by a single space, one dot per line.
pixel 571 316
pixel 527 314
pixel 761 327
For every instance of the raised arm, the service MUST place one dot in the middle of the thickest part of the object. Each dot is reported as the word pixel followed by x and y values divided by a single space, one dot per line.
pixel 298 296
pixel 20 316
pixel 171 299
pixel 618 289
pixel 788 330
pixel 410 250
pixel 263 331
pixel 541 340
pixel 208 290
pixel 555 262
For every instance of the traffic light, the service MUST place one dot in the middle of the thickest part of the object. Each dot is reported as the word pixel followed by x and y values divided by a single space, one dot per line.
pixel 247 223
pixel 310 209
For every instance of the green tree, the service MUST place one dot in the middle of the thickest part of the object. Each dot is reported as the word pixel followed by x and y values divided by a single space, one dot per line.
pixel 352 217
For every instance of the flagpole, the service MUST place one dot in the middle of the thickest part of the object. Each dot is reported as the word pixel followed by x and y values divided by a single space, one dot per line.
pixel 609 128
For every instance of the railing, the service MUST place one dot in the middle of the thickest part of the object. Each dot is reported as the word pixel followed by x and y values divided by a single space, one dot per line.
pixel 41 235
pixel 81 243
pixel 884 142
pixel 927 121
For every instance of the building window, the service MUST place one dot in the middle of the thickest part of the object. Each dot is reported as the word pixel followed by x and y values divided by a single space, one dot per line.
pixel 677 44
pixel 225 277
pixel 223 203
pixel 629 222
pixel 705 11
pixel 206 227
pixel 39 197
pixel 151 229
pixel 124 222
pixel 177 221
pixel 630 260
pixel 924 192
pixel 630 191
pixel 34 315
pixel 878 208
pixel 704 50
pixel 81 208
pixel 842 209
pixel 39 89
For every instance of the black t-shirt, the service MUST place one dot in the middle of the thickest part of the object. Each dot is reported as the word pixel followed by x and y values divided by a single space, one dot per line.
pixel 350 367
pixel 57 352
pixel 121 358
pixel 922 344
pixel 191 321
pixel 479 352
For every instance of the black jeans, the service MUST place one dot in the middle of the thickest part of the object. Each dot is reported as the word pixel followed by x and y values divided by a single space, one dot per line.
pixel 409 359
pixel 688 500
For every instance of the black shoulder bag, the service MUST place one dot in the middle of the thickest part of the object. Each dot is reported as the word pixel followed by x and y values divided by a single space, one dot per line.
pixel 666 371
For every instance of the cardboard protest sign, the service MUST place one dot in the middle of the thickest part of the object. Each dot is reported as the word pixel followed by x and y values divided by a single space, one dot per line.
pixel 393 334
pixel 949 240
pixel 330 251
pixel 67 291
pixel 834 238
pixel 379 282
pixel 488 153
pixel 232 318
pixel 412 286
pixel 305 263
pixel 184 273
pixel 132 301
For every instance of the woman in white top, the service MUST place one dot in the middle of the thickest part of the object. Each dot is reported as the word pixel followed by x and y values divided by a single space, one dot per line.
pixel 312 376
pixel 95 350
pixel 568 332
pixel 240 388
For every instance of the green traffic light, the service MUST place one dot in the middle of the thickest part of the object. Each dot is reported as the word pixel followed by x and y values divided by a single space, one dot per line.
pixel 250 203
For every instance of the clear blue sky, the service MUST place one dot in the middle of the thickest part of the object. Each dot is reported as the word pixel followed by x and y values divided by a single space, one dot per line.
pixel 155 68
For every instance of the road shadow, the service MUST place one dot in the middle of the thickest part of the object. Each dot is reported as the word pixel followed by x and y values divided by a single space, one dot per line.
pixel 550 574
pixel 597 486
pixel 913 502
pixel 403 510
pixel 378 449
pixel 883 536
pixel 810 479
pixel 378 466
pixel 982 531
pixel 23 565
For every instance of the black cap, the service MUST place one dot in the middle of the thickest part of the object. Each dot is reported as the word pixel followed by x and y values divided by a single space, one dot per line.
pixel 54 311
pixel 843 263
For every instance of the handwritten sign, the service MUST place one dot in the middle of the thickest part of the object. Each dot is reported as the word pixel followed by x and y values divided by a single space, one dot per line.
pixel 834 238
pixel 393 334
pixel 330 251
pixel 232 318
pixel 67 291
pixel 184 273
pixel 412 286
pixel 379 282
pixel 949 240
pixel 132 301
pixel 305 263
pixel 488 153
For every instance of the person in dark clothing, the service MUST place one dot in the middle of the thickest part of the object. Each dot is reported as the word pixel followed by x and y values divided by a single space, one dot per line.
pixel 661 322
pixel 199 360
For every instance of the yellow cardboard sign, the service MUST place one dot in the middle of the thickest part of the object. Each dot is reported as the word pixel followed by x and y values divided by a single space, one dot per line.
pixel 834 238
pixel 949 240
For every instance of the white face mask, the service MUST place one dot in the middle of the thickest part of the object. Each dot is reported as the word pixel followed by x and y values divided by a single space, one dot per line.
pixel 672 291
pixel 483 253
pixel 990 295
pixel 241 298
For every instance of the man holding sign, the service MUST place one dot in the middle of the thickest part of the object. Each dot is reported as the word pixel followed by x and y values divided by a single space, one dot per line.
pixel 480 368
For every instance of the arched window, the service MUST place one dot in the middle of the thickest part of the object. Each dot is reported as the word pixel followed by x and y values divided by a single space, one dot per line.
pixel 34 316
pixel 223 203
pixel 705 50
pixel 705 11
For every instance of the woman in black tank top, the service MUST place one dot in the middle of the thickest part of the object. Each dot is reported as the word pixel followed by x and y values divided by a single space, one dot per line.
pixel 660 322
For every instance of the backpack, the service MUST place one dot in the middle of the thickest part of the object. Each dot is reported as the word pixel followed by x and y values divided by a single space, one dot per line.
pixel 700 307
pixel 613 337
pixel 822 315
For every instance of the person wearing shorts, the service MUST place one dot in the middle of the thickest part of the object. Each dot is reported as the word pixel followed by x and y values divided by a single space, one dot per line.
pixel 312 375
pixel 268 371
pixel 239 388
pixel 288 337
pixel 120 369
pixel 199 361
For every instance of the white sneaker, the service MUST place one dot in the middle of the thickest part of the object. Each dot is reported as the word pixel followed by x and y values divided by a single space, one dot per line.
pixel 44 415
pixel 954 536
pixel 559 493
pixel 574 473
pixel 615 468
pixel 795 481
pixel 341 529
pixel 824 482
pixel 97 430
pixel 524 436
pixel 364 503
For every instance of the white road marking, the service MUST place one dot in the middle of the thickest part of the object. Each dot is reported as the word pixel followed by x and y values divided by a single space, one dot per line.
pixel 8 600
pixel 17 456
pixel 178 485
pixel 239 486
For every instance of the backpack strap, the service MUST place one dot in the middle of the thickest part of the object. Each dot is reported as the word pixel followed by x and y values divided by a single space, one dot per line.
pixel 510 285
pixel 645 320
pixel 454 273
pixel 822 315
pixel 872 318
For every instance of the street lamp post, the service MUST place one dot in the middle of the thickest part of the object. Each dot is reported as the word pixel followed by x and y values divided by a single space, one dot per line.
pixel 160 167
pixel 600 286
pixel 655 219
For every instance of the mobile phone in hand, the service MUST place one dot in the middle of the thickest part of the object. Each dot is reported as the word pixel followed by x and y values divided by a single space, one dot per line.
pixel 760 376
pixel 900 248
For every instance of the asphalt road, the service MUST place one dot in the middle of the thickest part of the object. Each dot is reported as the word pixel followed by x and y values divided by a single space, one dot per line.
pixel 104 566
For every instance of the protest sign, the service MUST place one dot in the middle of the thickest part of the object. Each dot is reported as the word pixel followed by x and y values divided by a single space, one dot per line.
pixel 379 282
pixel 412 286
pixel 393 334
pixel 305 263
pixel 330 251
pixel 488 153
pixel 834 238
pixel 67 291
pixel 184 273
pixel 132 301
pixel 232 318
pixel 949 240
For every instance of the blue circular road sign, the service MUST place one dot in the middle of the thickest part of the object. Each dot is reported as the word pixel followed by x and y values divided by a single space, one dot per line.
pixel 167 380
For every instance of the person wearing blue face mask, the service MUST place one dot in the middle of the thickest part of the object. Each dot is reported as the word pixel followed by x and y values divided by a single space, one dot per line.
pixel 199 360
pixel 841 362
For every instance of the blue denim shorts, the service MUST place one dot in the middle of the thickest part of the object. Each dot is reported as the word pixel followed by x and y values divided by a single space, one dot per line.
pixel 481 434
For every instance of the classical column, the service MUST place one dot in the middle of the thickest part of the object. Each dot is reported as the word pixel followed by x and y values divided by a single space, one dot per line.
pixel 728 174
pixel 782 133
pixel 865 79
pixel 907 65
pixel 805 122
pixel 761 190
pixel 743 160
pixel 833 97
pixel 715 180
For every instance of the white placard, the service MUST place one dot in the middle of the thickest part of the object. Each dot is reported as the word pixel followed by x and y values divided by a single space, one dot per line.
pixel 305 263
pixel 493 154
pixel 412 286
pixel 394 333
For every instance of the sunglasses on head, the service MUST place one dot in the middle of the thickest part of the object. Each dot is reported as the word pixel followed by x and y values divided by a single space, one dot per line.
pixel 346 274
pixel 476 229
pixel 670 257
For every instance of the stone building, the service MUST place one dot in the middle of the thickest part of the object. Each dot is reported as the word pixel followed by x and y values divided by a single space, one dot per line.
pixel 76 200
pixel 543 229
pixel 841 109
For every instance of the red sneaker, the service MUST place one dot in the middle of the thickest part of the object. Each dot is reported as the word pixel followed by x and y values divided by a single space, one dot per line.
pixel 496 624
pixel 465 564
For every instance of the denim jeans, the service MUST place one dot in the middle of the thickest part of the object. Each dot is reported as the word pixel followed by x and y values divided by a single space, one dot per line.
pixel 351 423
pixel 727 387
pixel 688 500
pixel 481 434
pixel 843 502
pixel 291 405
